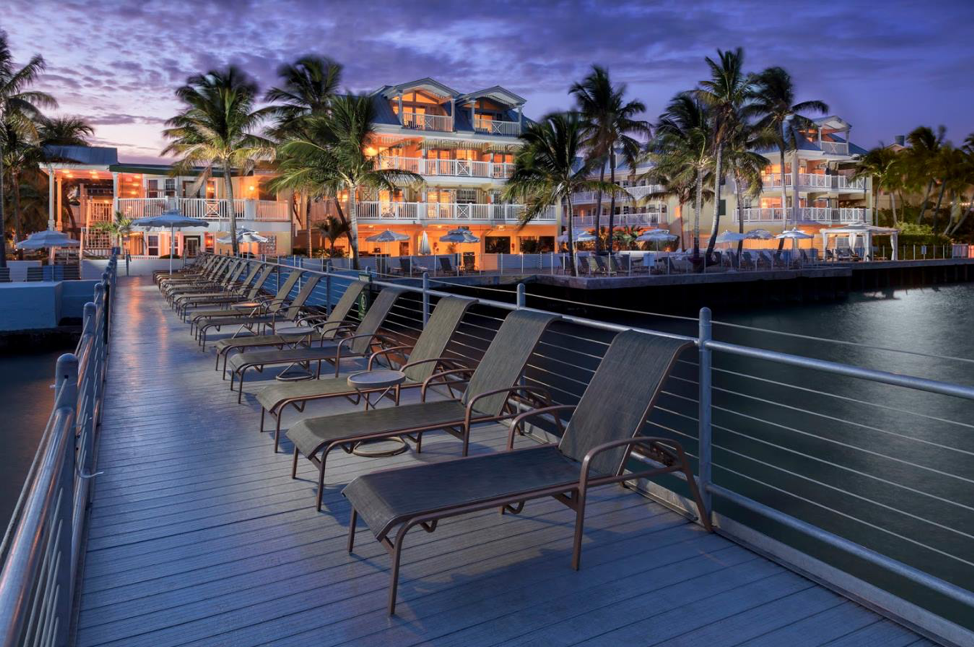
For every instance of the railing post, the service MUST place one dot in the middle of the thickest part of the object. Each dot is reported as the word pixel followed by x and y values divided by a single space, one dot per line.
pixel 521 296
pixel 426 298
pixel 704 432
pixel 66 396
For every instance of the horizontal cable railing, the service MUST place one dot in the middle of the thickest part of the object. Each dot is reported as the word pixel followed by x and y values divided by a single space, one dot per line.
pixel 41 550
pixel 872 463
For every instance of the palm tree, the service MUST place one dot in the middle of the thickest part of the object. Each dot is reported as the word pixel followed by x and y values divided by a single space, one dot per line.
pixel 63 131
pixel 728 93
pixel 921 158
pixel 216 130
pixel 332 229
pixel 546 172
pixel 682 152
pixel 19 113
pixel 329 160
pixel 964 182
pixel 610 126
pixel 884 165
pixel 118 228
pixel 307 88
pixel 746 166
pixel 782 118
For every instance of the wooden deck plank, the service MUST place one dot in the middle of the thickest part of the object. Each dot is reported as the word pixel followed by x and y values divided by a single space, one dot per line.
pixel 199 537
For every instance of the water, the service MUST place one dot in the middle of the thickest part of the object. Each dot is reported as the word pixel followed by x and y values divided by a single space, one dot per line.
pixel 26 398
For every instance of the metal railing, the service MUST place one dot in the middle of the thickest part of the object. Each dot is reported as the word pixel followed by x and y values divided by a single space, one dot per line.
pixel 422 121
pixel 205 208
pixel 464 212
pixel 454 168
pixel 793 474
pixel 497 127
pixel 41 550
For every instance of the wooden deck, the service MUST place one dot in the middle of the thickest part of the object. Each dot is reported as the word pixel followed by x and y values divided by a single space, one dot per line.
pixel 199 537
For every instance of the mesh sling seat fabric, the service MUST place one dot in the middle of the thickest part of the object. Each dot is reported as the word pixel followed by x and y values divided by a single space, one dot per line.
pixel 334 324
pixel 273 305
pixel 227 282
pixel 234 285
pixel 486 399
pixel 593 451
pixel 425 357
pixel 260 315
pixel 246 293
pixel 218 274
pixel 360 343
pixel 193 273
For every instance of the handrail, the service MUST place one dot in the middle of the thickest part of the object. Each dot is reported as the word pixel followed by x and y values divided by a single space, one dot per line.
pixel 41 550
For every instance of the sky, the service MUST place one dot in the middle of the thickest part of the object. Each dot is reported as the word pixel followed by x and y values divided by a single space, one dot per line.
pixel 885 66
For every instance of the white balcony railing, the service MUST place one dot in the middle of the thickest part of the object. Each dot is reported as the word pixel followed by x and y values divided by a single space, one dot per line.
pixel 835 148
pixel 759 214
pixel 414 212
pixel 643 219
pixel 812 181
pixel 205 209
pixel 454 168
pixel 422 121
pixel 497 127
pixel 637 192
pixel 824 215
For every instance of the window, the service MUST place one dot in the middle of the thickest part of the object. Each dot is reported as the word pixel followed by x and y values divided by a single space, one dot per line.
pixel 152 188
pixel 170 188
pixel 466 196
pixel 497 245
pixel 152 242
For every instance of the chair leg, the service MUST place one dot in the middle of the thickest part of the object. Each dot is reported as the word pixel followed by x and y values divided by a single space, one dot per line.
pixel 294 464
pixel 695 492
pixel 243 372
pixel 321 479
pixel 394 575
pixel 277 430
pixel 579 530
pixel 263 411
pixel 351 530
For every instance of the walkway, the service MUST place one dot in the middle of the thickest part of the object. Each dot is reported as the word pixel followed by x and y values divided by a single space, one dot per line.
pixel 198 537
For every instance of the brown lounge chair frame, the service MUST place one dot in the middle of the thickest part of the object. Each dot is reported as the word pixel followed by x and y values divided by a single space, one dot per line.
pixel 423 365
pixel 247 291
pixel 531 396
pixel 221 285
pixel 667 453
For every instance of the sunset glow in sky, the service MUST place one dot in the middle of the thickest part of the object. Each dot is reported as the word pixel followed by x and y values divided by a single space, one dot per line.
pixel 885 67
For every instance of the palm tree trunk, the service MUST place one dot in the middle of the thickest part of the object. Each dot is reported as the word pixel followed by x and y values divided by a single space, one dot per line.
pixel 784 191
pixel 940 199
pixel 228 185
pixel 716 224
pixel 612 198
pixel 18 231
pixel 598 210
pixel 571 242
pixel 892 204
pixel 923 205
pixel 3 222
pixel 961 220
pixel 353 225
pixel 740 215
pixel 697 206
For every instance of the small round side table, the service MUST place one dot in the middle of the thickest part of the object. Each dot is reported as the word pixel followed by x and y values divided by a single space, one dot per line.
pixel 381 382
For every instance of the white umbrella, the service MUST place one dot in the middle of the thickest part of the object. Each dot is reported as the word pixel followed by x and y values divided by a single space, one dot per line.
pixel 171 221
pixel 656 235
pixel 424 245
pixel 579 236
pixel 794 234
pixel 459 236
pixel 731 237
pixel 387 237
pixel 47 238
pixel 244 235
pixel 759 234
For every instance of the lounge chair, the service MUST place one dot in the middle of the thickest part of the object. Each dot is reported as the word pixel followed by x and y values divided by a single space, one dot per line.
pixel 202 273
pixel 200 266
pixel 35 273
pixel 327 327
pixel 210 277
pixel 469 264
pixel 71 272
pixel 406 265
pixel 237 309
pixel 4 275
pixel 593 451
pixel 230 283
pixel 425 357
pixel 220 283
pixel 364 341
pixel 486 399
pixel 248 291
pixel 446 266
pixel 262 318
pixel 594 268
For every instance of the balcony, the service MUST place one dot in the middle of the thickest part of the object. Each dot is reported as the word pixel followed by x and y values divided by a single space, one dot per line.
pixel 418 212
pixel 641 219
pixel 823 215
pixel 815 181
pixel 205 209
pixel 423 121
pixel 497 127
pixel 834 148
pixel 448 168
pixel 756 214
pixel 637 192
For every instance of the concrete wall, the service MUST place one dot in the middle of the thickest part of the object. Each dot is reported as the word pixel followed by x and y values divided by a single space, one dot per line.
pixel 93 268
pixel 45 304
pixel 18 269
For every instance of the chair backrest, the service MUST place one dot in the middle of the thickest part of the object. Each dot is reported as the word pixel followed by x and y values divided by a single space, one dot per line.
pixel 432 342
pixel 250 277
pixel 619 397
pixel 404 265
pixel 72 272
pixel 234 273
pixel 35 273
pixel 468 263
pixel 217 268
pixel 593 264
pixel 284 291
pixel 344 306
pixel 445 264
pixel 505 358
pixel 374 318
pixel 294 308
pixel 259 283
pixel 4 275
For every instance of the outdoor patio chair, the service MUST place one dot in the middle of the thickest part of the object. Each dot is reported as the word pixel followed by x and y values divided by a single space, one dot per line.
pixel 35 274
pixel 232 282
pixel 203 273
pixel 201 265
pixel 422 359
pixel 220 283
pixel 261 318
pixel 211 277
pixel 245 292
pixel 327 327
pixel 592 266
pixel 446 266
pixel 593 451
pixel 490 388
pixel 747 261
pixel 4 275
pixel 469 264
pixel 406 265
pixel 364 341
pixel 236 309
pixel 71 272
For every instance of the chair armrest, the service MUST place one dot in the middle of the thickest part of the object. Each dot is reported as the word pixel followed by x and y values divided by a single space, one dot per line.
pixel 663 450
pixel 544 400
pixel 386 351
pixel 533 413
pixel 442 376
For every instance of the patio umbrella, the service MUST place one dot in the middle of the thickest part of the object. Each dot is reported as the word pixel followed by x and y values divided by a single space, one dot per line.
pixel 656 236
pixel 759 234
pixel 388 237
pixel 731 237
pixel 459 236
pixel 245 235
pixel 171 221
pixel 579 236
pixel 49 238
pixel 424 245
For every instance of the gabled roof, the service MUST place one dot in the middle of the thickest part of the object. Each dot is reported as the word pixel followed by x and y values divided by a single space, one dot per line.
pixel 87 155
pixel 497 93
pixel 390 91
pixel 833 122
